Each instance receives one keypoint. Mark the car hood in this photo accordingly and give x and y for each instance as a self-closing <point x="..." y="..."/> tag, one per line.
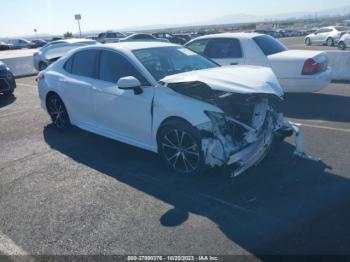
<point x="241" y="79"/>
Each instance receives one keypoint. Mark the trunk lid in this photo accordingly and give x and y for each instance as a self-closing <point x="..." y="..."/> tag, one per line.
<point x="290" y="63"/>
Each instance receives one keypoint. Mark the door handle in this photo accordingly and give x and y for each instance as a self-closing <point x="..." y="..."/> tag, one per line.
<point x="234" y="64"/>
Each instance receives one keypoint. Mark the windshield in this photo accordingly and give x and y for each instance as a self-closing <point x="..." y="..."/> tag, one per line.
<point x="269" y="45"/>
<point x="165" y="61"/>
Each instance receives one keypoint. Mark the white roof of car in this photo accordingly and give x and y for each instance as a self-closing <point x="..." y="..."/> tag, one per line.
<point x="137" y="45"/>
<point x="230" y="35"/>
<point x="74" y="40"/>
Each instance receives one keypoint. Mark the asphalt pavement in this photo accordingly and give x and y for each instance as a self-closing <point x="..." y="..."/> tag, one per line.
<point x="76" y="193"/>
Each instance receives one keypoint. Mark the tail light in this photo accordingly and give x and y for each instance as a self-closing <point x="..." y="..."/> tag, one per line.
<point x="311" y="67"/>
<point x="40" y="76"/>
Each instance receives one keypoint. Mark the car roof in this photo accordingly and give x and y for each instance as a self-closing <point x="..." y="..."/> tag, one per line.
<point x="230" y="35"/>
<point x="73" y="40"/>
<point x="137" y="45"/>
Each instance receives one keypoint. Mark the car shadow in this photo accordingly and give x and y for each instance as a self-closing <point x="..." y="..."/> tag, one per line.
<point x="6" y="100"/>
<point x="284" y="206"/>
<point x="315" y="106"/>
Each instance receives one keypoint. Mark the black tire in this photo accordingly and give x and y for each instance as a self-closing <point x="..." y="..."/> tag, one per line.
<point x="42" y="66"/>
<point x="330" y="41"/>
<point x="179" y="145"/>
<point x="308" y="41"/>
<point x="57" y="111"/>
<point x="341" y="45"/>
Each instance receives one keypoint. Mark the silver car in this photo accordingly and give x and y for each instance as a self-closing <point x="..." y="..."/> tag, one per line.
<point x="326" y="35"/>
<point x="56" y="49"/>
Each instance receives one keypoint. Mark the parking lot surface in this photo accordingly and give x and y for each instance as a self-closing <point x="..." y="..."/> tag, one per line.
<point x="74" y="192"/>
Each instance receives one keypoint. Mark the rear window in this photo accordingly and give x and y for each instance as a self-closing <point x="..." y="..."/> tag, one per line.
<point x="269" y="45"/>
<point x="342" y="28"/>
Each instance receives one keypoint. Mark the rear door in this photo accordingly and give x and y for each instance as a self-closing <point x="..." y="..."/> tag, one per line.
<point x="77" y="86"/>
<point x="225" y="51"/>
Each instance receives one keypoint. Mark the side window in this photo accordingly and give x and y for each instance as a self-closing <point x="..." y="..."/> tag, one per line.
<point x="84" y="63"/>
<point x="69" y="64"/>
<point x="224" y="48"/>
<point x="120" y="35"/>
<point x="114" y="66"/>
<point x="111" y="35"/>
<point x="199" y="46"/>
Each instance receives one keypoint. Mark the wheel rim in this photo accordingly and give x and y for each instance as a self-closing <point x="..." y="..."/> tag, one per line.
<point x="180" y="151"/>
<point x="57" y="112"/>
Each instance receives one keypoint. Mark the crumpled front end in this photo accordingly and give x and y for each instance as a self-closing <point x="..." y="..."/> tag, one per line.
<point x="240" y="133"/>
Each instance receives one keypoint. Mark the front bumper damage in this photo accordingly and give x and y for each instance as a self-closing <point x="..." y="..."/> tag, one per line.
<point x="267" y="127"/>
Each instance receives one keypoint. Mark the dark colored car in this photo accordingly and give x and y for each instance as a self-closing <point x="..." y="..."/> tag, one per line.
<point x="4" y="46"/>
<point x="187" y="37"/>
<point x="7" y="80"/>
<point x="37" y="43"/>
<point x="171" y="38"/>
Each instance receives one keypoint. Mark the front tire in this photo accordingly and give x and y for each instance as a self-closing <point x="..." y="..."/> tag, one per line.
<point x="342" y="45"/>
<point x="330" y="41"/>
<point x="179" y="145"/>
<point x="57" y="111"/>
<point x="308" y="41"/>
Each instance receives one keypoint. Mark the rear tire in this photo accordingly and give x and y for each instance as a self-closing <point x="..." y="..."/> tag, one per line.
<point x="57" y="111"/>
<point x="180" y="146"/>
<point x="330" y="41"/>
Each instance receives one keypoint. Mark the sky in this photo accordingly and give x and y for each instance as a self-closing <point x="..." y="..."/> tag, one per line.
<point x="20" y="17"/>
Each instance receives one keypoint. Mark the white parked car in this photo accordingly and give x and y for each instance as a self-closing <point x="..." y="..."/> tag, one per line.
<point x="326" y="35"/>
<point x="296" y="70"/>
<point x="110" y="37"/>
<point x="142" y="38"/>
<point x="19" y="43"/>
<point x="54" y="50"/>
<point x="167" y="99"/>
<point x="344" y="42"/>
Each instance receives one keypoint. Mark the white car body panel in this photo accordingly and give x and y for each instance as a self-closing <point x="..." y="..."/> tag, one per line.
<point x="287" y="65"/>
<point x="346" y="39"/>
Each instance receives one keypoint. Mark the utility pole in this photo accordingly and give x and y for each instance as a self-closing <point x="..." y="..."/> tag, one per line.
<point x="35" y="31"/>
<point x="78" y="18"/>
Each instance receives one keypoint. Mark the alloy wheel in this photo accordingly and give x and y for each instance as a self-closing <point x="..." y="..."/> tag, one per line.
<point x="181" y="151"/>
<point x="57" y="112"/>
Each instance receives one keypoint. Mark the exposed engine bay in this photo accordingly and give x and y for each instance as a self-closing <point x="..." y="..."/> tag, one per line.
<point x="242" y="135"/>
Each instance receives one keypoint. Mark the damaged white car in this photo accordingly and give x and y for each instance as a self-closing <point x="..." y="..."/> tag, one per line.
<point x="167" y="99"/>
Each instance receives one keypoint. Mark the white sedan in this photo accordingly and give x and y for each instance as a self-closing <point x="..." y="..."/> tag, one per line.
<point x="344" y="42"/>
<point x="296" y="70"/>
<point x="326" y="36"/>
<point x="167" y="99"/>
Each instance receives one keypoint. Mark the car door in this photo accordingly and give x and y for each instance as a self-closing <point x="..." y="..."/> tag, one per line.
<point x="121" y="113"/>
<point x="77" y="87"/>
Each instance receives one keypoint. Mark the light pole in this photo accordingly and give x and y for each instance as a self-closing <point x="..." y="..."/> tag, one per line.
<point x="35" y="31"/>
<point x="78" y="18"/>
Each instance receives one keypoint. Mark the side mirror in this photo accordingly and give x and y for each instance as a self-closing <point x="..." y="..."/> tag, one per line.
<point x="130" y="83"/>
